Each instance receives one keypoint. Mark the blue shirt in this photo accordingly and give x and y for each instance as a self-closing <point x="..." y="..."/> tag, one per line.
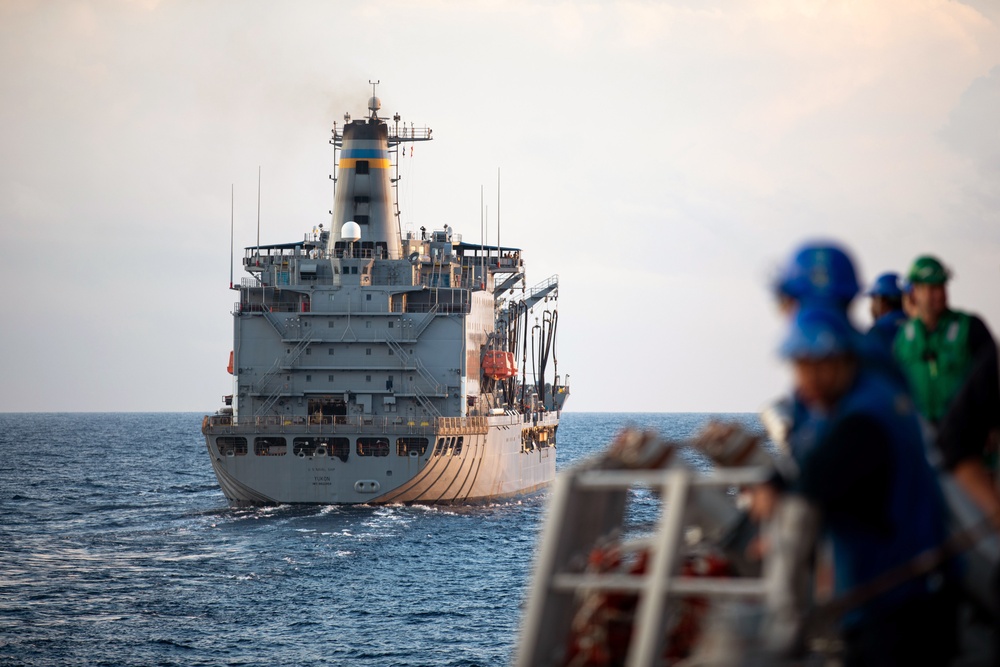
<point x="885" y="328"/>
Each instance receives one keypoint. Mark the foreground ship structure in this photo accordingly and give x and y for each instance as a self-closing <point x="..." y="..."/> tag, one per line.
<point x="373" y="366"/>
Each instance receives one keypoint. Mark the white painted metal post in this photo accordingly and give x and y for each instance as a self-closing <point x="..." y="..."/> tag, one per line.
<point x="648" y="627"/>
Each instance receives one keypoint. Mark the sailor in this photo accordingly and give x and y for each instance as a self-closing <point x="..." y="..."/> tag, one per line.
<point x="817" y="273"/>
<point x="967" y="439"/>
<point x="821" y="274"/>
<point x="886" y="309"/>
<point x="937" y="346"/>
<point x="967" y="436"/>
<point x="878" y="498"/>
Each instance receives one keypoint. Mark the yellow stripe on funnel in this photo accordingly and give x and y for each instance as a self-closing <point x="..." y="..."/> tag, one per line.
<point x="373" y="163"/>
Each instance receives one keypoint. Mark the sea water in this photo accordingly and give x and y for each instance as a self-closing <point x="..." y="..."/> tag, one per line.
<point x="118" y="548"/>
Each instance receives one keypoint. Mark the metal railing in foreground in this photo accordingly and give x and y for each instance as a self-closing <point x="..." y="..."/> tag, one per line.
<point x="588" y="518"/>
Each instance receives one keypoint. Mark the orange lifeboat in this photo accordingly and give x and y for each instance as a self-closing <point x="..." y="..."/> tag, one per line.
<point x="499" y="365"/>
<point x="230" y="366"/>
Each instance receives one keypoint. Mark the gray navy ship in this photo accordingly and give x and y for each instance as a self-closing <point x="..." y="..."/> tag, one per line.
<point x="375" y="366"/>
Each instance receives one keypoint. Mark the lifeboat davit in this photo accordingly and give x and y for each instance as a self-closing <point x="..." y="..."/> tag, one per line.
<point x="499" y="365"/>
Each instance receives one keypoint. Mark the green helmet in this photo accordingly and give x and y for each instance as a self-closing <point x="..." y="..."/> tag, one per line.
<point x="928" y="269"/>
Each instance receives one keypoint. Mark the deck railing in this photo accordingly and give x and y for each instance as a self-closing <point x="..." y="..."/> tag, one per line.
<point x="228" y="424"/>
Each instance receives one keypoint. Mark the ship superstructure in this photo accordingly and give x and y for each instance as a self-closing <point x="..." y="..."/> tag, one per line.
<point x="373" y="366"/>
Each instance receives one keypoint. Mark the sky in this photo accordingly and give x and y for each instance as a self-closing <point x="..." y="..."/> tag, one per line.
<point x="663" y="158"/>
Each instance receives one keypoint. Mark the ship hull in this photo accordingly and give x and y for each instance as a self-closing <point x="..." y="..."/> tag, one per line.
<point x="448" y="460"/>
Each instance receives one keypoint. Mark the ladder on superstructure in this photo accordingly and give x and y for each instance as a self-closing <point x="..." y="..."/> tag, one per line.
<point x="417" y="365"/>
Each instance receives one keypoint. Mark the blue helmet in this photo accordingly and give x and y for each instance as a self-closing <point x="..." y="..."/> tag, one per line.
<point x="819" y="273"/>
<point x="818" y="332"/>
<point x="886" y="285"/>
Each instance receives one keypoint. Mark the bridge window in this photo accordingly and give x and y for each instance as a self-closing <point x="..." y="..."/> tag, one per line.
<point x="231" y="446"/>
<point x="341" y="448"/>
<point x="270" y="446"/>
<point x="305" y="446"/>
<point x="322" y="446"/>
<point x="373" y="447"/>
<point x="406" y="445"/>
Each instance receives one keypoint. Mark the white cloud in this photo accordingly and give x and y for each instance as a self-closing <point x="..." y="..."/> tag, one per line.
<point x="660" y="157"/>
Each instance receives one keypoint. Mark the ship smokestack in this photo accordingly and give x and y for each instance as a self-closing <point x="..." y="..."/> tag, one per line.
<point x="364" y="189"/>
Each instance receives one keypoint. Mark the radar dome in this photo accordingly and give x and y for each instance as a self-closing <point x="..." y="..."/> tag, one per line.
<point x="351" y="231"/>
<point x="374" y="104"/>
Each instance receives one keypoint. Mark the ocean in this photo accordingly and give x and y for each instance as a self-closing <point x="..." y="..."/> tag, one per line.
<point x="118" y="548"/>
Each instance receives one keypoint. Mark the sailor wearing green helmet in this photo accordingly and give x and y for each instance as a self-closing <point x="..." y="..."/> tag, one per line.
<point x="937" y="346"/>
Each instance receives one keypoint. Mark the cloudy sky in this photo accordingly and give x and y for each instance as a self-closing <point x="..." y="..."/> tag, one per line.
<point x="663" y="158"/>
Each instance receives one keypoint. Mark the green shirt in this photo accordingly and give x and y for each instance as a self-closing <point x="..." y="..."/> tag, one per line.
<point x="935" y="362"/>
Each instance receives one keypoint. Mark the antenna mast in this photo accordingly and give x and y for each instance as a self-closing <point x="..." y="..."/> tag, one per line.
<point x="258" y="206"/>
<point x="232" y="199"/>
<point x="372" y="107"/>
<point x="482" y="240"/>
<point x="333" y="176"/>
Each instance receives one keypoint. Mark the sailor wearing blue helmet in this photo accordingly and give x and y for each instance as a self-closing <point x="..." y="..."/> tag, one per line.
<point x="877" y="495"/>
<point x="818" y="272"/>
<point x="886" y="309"/>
